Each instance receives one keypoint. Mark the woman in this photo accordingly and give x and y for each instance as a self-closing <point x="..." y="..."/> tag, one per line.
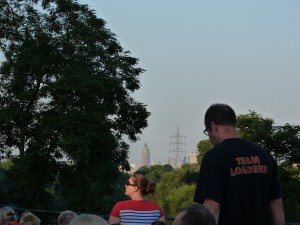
<point x="137" y="210"/>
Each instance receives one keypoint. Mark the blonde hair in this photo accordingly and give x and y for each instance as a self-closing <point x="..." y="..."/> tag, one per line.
<point x="29" y="219"/>
<point x="65" y="217"/>
<point x="8" y="214"/>
<point x="88" y="219"/>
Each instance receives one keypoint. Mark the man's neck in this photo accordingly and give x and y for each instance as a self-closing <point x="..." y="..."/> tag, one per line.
<point x="229" y="132"/>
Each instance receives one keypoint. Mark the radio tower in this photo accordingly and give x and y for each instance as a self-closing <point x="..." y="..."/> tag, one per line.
<point x="177" y="150"/>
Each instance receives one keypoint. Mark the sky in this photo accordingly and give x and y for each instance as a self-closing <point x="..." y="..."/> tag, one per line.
<point x="196" y="53"/>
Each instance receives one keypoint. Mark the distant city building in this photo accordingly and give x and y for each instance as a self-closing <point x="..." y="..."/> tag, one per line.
<point x="145" y="156"/>
<point x="193" y="158"/>
<point x="132" y="168"/>
<point x="131" y="171"/>
<point x="172" y="161"/>
<point x="155" y="163"/>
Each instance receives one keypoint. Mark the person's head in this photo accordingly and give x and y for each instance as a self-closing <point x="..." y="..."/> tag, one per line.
<point x="7" y="214"/>
<point x="88" y="219"/>
<point x="29" y="219"/>
<point x="195" y="214"/>
<point x="65" y="217"/>
<point x="139" y="184"/>
<point x="159" y="223"/>
<point x="24" y="213"/>
<point x="219" y="120"/>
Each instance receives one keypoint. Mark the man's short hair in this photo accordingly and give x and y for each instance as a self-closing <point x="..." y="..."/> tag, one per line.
<point x="30" y="219"/>
<point x="221" y="114"/>
<point x="196" y="214"/>
<point x="65" y="217"/>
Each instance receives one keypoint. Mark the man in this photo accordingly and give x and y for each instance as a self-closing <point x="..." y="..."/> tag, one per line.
<point x="238" y="180"/>
<point x="65" y="217"/>
<point x="195" y="214"/>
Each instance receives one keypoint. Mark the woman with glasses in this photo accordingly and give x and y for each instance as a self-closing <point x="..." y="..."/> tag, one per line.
<point x="138" y="210"/>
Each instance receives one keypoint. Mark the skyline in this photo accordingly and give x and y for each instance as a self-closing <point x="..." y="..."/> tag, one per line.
<point x="196" y="53"/>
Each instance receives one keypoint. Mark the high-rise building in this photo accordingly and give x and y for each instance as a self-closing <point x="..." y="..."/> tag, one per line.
<point x="193" y="158"/>
<point x="145" y="156"/>
<point x="132" y="168"/>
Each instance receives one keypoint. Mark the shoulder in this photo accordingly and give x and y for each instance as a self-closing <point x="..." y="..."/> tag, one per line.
<point x="125" y="202"/>
<point x="232" y="146"/>
<point x="121" y="204"/>
<point x="153" y="204"/>
<point x="147" y="205"/>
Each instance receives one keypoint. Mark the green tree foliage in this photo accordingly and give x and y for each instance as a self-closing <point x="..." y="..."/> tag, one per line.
<point x="203" y="146"/>
<point x="175" y="190"/>
<point x="290" y="182"/>
<point x="254" y="127"/>
<point x="154" y="172"/>
<point x="4" y="180"/>
<point x="31" y="183"/>
<point x="191" y="173"/>
<point x="65" y="92"/>
<point x="282" y="141"/>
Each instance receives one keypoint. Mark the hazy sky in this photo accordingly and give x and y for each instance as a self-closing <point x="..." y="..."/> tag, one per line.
<point x="195" y="53"/>
<point x="243" y="53"/>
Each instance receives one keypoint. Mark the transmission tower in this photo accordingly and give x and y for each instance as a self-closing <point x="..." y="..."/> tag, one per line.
<point x="177" y="150"/>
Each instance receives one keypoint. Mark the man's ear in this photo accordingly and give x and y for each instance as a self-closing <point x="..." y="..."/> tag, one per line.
<point x="213" y="126"/>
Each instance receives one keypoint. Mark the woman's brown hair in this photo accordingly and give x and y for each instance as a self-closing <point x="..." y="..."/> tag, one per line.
<point x="143" y="183"/>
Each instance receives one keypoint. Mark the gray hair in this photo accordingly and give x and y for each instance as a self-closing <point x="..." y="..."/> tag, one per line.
<point x="30" y="219"/>
<point x="88" y="219"/>
<point x="65" y="217"/>
<point x="8" y="214"/>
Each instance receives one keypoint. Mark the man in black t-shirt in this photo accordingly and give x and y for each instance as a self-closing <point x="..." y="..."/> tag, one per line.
<point x="238" y="180"/>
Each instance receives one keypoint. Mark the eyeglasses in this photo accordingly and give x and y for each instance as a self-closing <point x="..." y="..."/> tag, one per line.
<point x="206" y="131"/>
<point x="129" y="184"/>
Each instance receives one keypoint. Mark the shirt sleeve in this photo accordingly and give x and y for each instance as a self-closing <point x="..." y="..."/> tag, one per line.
<point x="275" y="189"/>
<point x="116" y="210"/>
<point x="209" y="184"/>
<point x="161" y="212"/>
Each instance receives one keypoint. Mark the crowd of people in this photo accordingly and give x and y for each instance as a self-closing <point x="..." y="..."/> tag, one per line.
<point x="193" y="215"/>
<point x="238" y="184"/>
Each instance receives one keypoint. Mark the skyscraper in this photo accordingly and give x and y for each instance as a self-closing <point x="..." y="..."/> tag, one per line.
<point x="145" y="156"/>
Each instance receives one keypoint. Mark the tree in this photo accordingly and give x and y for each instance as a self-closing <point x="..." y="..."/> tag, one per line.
<point x="290" y="182"/>
<point x="175" y="189"/>
<point x="283" y="142"/>
<point x="155" y="172"/>
<point x="203" y="146"/>
<point x="65" y="92"/>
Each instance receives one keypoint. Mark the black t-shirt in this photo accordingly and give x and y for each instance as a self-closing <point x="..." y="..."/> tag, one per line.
<point x="243" y="178"/>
